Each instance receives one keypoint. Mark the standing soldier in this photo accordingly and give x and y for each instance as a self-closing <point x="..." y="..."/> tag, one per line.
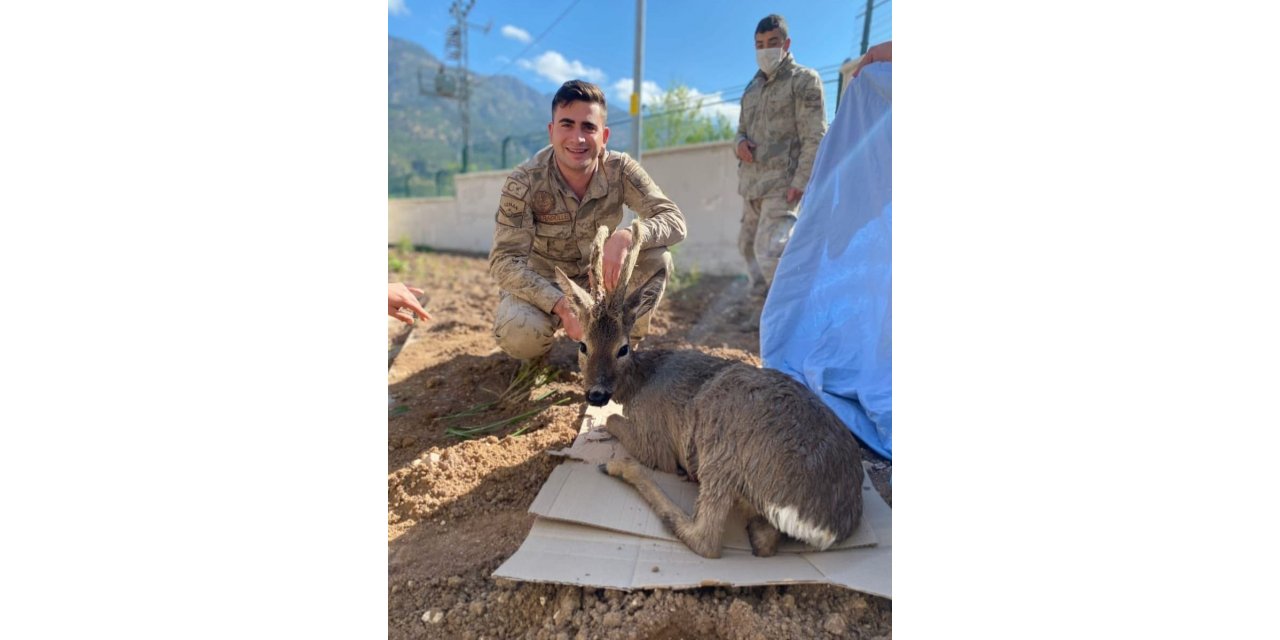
<point x="548" y="213"/>
<point x="781" y="123"/>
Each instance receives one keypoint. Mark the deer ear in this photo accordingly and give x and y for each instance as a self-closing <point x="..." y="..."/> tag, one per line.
<point x="642" y="300"/>
<point x="578" y="297"/>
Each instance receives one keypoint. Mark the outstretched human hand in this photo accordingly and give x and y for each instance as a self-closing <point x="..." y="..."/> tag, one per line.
<point x="402" y="303"/>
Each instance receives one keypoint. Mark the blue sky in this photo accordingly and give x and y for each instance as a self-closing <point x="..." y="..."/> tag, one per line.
<point x="704" y="44"/>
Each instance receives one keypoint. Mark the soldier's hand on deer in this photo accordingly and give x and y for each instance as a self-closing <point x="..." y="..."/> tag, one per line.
<point x="615" y="250"/>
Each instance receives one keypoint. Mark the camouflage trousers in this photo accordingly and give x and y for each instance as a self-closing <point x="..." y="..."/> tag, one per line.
<point x="525" y="332"/>
<point x="766" y="228"/>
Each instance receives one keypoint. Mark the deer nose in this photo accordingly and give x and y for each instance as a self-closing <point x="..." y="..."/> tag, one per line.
<point x="597" y="397"/>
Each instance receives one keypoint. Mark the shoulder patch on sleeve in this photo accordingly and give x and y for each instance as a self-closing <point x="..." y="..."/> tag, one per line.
<point x="510" y="211"/>
<point x="512" y="206"/>
<point x="517" y="184"/>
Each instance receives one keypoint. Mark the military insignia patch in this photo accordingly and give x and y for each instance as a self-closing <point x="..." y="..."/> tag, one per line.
<point x="511" y="206"/>
<point x="542" y="203"/>
<point x="515" y="187"/>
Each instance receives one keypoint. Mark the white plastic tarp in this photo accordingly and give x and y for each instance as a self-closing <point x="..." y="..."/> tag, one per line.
<point x="827" y="321"/>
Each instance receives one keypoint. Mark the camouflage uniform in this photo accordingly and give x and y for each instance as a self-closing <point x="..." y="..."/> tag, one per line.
<point x="783" y="116"/>
<point x="542" y="225"/>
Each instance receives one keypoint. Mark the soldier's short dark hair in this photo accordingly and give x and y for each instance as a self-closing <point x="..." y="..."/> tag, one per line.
<point x="771" y="22"/>
<point x="579" y="90"/>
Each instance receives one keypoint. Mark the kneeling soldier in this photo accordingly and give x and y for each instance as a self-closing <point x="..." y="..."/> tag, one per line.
<point x="548" y="213"/>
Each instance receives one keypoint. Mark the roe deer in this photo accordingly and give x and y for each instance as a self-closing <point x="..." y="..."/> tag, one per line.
<point x="753" y="438"/>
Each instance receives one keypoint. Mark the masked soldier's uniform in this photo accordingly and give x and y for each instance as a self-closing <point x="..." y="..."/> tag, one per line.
<point x="542" y="225"/>
<point x="783" y="115"/>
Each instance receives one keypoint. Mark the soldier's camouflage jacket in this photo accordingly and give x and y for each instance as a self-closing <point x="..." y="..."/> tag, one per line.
<point x="541" y="224"/>
<point x="783" y="115"/>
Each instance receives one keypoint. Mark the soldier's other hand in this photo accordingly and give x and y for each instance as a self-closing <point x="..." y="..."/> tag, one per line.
<point x="615" y="249"/>
<point x="793" y="195"/>
<point x="745" y="149"/>
<point x="572" y="327"/>
<point x="402" y="303"/>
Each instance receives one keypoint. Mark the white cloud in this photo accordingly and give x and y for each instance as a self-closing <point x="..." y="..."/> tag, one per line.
<point x="552" y="66"/>
<point x="516" y="33"/>
<point x="651" y="94"/>
<point x="397" y="8"/>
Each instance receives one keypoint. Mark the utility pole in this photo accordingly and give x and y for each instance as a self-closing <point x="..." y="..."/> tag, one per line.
<point x="866" y="27"/>
<point x="637" y="125"/>
<point x="866" y="36"/>
<point x="455" y="46"/>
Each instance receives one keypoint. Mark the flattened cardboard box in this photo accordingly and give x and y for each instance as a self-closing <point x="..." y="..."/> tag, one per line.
<point x="605" y="535"/>
<point x="578" y="492"/>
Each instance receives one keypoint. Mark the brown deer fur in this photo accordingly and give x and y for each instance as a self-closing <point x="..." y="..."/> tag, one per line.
<point x="754" y="439"/>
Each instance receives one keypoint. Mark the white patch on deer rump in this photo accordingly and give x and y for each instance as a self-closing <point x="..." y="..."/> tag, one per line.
<point x="788" y="521"/>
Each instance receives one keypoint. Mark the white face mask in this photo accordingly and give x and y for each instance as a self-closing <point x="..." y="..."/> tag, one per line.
<point x="768" y="59"/>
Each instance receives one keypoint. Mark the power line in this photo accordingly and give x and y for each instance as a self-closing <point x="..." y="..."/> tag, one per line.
<point x="538" y="39"/>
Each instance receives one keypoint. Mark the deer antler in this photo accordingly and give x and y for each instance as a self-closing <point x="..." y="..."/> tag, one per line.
<point x="597" y="263"/>
<point x="624" y="278"/>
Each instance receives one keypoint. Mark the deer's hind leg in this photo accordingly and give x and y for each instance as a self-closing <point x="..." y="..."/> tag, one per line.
<point x="704" y="531"/>
<point x="764" y="537"/>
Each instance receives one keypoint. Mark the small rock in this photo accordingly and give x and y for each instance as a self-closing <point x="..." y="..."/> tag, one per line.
<point x="408" y="441"/>
<point x="434" y="459"/>
<point x="654" y="569"/>
<point x="415" y="464"/>
<point x="635" y="602"/>
<point x="477" y="608"/>
<point x="434" y="382"/>
<point x="570" y="600"/>
<point x="433" y="616"/>
<point x="409" y="584"/>
<point x="454" y="581"/>
<point x="835" y="625"/>
<point x="395" y="588"/>
<point x="789" y="601"/>
<point x="613" y="619"/>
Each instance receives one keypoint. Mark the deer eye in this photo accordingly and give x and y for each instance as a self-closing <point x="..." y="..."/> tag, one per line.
<point x="623" y="351"/>
<point x="582" y="346"/>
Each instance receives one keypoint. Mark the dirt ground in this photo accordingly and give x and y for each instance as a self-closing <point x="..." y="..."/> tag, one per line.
<point x="457" y="508"/>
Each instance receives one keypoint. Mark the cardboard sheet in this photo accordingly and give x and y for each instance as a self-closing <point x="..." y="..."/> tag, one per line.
<point x="595" y="530"/>
<point x="568" y="553"/>
<point x="578" y="492"/>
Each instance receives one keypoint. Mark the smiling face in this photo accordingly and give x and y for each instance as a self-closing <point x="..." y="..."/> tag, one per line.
<point x="578" y="136"/>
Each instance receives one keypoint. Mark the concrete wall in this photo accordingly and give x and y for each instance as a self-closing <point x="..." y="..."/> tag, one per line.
<point x="701" y="179"/>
